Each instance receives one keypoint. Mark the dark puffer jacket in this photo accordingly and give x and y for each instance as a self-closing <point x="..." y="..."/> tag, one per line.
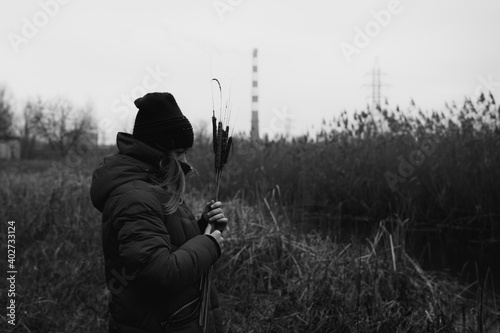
<point x="153" y="261"/>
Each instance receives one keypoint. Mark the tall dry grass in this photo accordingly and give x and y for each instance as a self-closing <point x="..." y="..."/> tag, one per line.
<point x="355" y="273"/>
<point x="341" y="180"/>
<point x="272" y="277"/>
<point x="59" y="284"/>
<point x="342" y="170"/>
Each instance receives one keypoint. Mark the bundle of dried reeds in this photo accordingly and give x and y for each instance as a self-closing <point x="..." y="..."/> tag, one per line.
<point x="221" y="146"/>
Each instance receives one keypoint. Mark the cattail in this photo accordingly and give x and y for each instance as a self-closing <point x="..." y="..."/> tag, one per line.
<point x="228" y="149"/>
<point x="218" y="153"/>
<point x="223" y="148"/>
<point x="214" y="131"/>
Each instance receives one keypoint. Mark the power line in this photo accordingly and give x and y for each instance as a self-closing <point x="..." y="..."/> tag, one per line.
<point x="376" y="84"/>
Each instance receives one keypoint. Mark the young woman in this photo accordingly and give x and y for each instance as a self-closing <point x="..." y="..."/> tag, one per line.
<point x="155" y="251"/>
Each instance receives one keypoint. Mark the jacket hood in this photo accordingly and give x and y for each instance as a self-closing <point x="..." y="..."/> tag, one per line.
<point x="134" y="161"/>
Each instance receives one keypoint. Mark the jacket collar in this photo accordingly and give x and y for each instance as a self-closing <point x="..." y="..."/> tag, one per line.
<point x="130" y="146"/>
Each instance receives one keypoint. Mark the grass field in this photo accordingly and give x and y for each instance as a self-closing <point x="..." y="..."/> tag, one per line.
<point x="320" y="229"/>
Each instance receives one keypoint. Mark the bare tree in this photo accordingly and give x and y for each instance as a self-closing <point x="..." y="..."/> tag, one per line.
<point x="6" y="115"/>
<point x="61" y="124"/>
<point x="28" y="130"/>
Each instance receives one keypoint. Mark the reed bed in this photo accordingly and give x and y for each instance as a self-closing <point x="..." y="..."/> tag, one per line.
<point x="344" y="170"/>
<point x="271" y="278"/>
<point x="293" y="282"/>
<point x="60" y="281"/>
<point x="353" y="271"/>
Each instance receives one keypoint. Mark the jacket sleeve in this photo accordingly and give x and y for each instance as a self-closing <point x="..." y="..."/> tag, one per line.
<point x="145" y="248"/>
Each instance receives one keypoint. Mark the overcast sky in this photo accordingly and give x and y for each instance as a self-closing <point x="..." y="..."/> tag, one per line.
<point x="314" y="56"/>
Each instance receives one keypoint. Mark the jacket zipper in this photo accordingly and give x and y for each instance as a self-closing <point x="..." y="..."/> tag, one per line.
<point x="180" y="310"/>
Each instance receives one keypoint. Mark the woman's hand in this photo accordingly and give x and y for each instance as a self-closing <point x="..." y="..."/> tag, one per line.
<point x="217" y="235"/>
<point x="214" y="215"/>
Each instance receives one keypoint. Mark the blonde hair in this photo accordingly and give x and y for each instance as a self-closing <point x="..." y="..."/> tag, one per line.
<point x="170" y="178"/>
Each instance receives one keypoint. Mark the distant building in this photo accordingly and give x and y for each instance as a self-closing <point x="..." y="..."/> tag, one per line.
<point x="10" y="148"/>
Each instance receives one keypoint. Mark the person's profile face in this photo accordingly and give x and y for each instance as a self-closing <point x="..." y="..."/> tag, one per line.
<point x="180" y="154"/>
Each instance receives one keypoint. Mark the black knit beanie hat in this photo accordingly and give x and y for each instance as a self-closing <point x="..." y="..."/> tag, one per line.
<point x="160" y="122"/>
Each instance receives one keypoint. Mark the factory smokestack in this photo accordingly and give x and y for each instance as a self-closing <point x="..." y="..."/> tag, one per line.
<point x="254" y="132"/>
